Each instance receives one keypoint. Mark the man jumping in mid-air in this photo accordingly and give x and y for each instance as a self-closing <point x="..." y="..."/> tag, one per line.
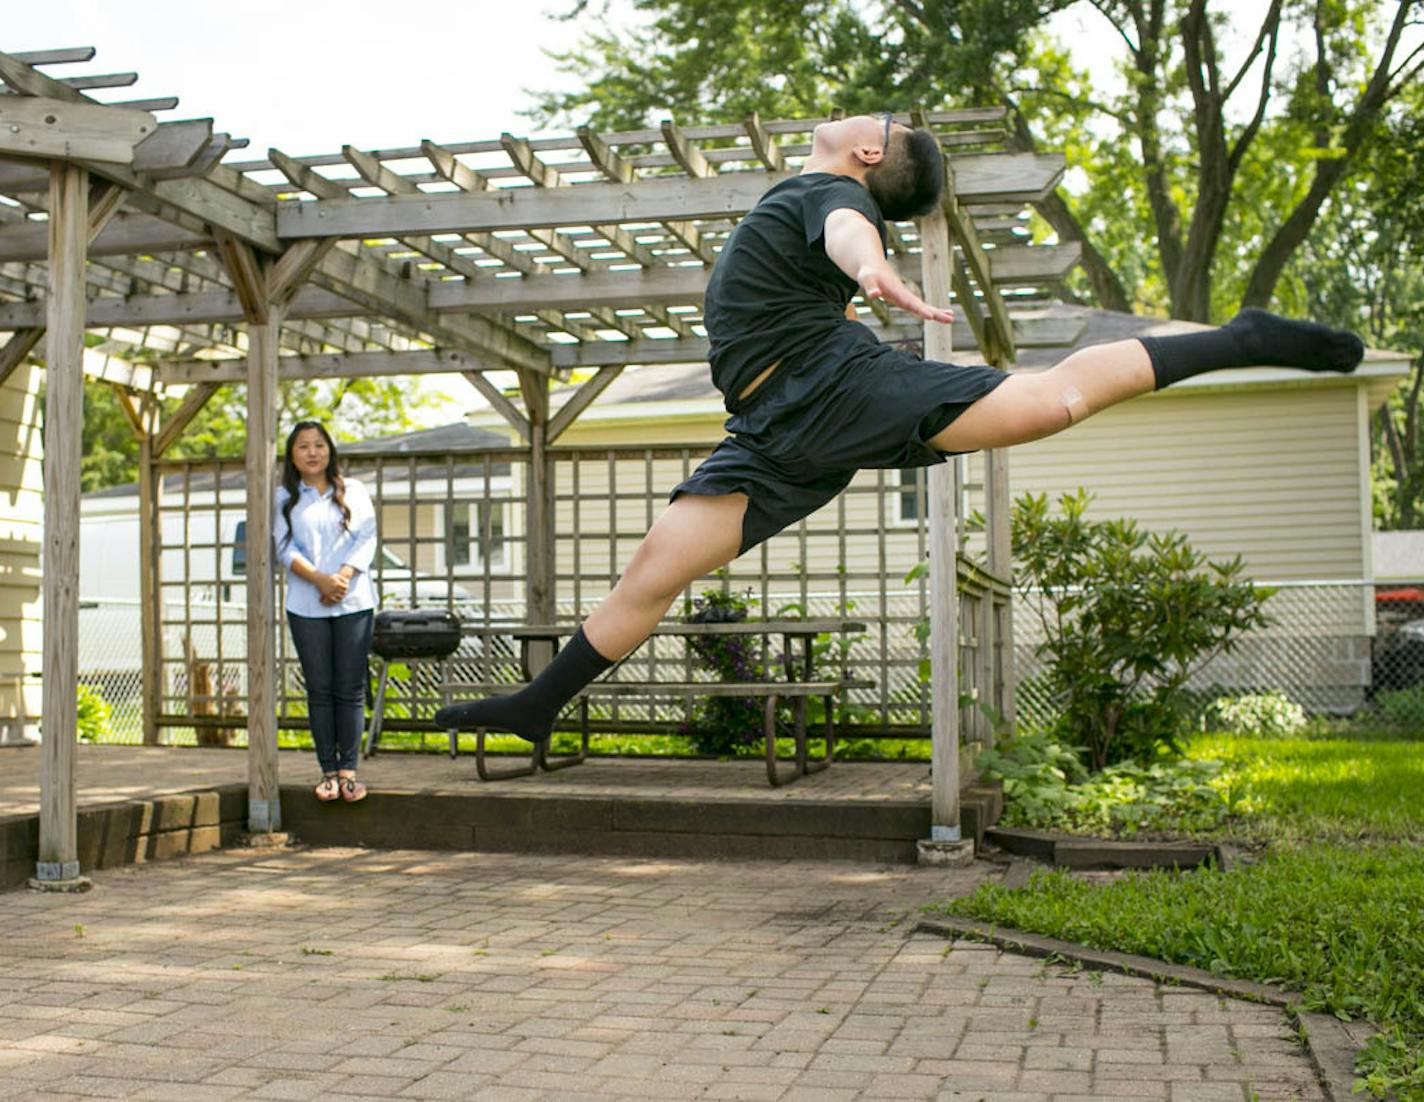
<point x="814" y="396"/>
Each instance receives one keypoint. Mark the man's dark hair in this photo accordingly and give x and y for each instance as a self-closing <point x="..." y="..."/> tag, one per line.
<point x="908" y="182"/>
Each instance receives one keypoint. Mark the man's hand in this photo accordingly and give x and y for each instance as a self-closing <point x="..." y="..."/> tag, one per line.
<point x="880" y="281"/>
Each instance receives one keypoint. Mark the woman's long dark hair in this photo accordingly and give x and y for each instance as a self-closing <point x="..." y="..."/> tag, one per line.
<point x="292" y="481"/>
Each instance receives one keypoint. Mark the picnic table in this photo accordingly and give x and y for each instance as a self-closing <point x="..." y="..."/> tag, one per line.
<point x="797" y="684"/>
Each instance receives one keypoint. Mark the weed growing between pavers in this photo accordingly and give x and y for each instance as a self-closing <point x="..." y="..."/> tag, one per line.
<point x="1344" y="926"/>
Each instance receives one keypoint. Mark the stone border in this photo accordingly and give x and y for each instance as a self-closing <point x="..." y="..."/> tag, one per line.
<point x="1074" y="852"/>
<point x="1331" y="1044"/>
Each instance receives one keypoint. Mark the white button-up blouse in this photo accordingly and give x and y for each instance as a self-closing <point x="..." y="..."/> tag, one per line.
<point x="319" y="536"/>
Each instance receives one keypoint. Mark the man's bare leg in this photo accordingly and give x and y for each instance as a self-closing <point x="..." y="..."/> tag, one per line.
<point x="1030" y="407"/>
<point x="694" y="535"/>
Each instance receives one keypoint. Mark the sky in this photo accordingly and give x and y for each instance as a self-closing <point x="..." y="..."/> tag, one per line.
<point x="308" y="76"/>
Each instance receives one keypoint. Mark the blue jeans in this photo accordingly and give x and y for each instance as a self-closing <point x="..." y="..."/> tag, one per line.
<point x="333" y="652"/>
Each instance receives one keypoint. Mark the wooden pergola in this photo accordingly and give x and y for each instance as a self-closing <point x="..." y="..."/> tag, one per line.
<point x="532" y="256"/>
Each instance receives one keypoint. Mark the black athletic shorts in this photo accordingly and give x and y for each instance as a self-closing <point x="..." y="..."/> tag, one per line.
<point x="854" y="403"/>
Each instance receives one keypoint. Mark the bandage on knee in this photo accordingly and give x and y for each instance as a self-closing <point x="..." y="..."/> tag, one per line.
<point x="1074" y="402"/>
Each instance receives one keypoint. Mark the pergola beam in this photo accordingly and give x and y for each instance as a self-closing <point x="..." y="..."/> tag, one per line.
<point x="990" y="178"/>
<point x="127" y="234"/>
<point x="667" y="286"/>
<point x="196" y="308"/>
<point x="582" y="399"/>
<point x="43" y="126"/>
<point x="1047" y="331"/>
<point x="192" y="404"/>
<point x="17" y="348"/>
<point x="353" y="365"/>
<point x="502" y="405"/>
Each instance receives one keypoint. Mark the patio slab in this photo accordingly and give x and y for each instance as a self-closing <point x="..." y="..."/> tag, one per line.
<point x="339" y="973"/>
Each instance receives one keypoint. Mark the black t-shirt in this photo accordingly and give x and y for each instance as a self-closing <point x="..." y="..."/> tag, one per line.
<point x="774" y="294"/>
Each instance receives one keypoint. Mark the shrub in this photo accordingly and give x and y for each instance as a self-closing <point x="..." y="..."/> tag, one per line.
<point x="93" y="713"/>
<point x="1047" y="787"/>
<point x="1268" y="713"/>
<point x="1402" y="707"/>
<point x="722" y="724"/>
<point x="1128" y="616"/>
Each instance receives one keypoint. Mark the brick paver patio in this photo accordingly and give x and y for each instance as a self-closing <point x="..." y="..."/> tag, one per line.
<point x="348" y="973"/>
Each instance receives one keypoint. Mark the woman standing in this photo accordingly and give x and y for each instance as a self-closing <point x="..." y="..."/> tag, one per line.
<point x="325" y="529"/>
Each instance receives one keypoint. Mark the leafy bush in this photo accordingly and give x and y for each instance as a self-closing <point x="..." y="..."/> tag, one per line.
<point x="93" y="713"/>
<point x="1402" y="707"/>
<point x="1128" y="616"/>
<point x="1047" y="787"/>
<point x="722" y="724"/>
<point x="1268" y="713"/>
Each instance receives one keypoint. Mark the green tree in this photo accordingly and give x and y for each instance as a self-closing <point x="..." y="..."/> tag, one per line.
<point x="1170" y="158"/>
<point x="1365" y="260"/>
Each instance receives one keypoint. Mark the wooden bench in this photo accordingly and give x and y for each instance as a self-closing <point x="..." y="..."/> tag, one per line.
<point x="793" y="689"/>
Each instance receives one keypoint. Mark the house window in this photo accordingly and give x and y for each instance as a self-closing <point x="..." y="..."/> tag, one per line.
<point x="460" y="536"/>
<point x="477" y="534"/>
<point x="909" y="495"/>
<point x="239" y="548"/>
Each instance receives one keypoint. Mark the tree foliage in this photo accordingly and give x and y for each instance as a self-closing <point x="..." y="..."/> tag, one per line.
<point x="1364" y="266"/>
<point x="1221" y="157"/>
<point x="352" y="408"/>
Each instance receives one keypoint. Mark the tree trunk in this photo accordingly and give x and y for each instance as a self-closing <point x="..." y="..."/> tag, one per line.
<point x="1261" y="286"/>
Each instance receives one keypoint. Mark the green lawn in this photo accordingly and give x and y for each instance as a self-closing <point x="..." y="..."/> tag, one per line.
<point x="1312" y="788"/>
<point x="1333" y="908"/>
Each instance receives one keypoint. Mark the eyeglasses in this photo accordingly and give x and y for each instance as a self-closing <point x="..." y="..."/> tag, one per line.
<point x="889" y="122"/>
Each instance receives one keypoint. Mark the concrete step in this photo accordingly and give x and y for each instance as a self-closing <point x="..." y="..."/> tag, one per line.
<point x="695" y="821"/>
<point x="493" y="821"/>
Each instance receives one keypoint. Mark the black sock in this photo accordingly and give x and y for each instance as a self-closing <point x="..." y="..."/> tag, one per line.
<point x="530" y="713"/>
<point x="1253" y="338"/>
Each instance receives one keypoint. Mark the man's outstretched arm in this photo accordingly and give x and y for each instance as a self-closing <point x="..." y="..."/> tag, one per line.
<point x="853" y="245"/>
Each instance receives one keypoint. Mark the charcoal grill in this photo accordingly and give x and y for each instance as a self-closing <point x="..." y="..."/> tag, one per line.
<point x="410" y="636"/>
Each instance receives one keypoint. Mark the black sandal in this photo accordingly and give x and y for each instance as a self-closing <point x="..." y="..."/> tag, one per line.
<point x="329" y="789"/>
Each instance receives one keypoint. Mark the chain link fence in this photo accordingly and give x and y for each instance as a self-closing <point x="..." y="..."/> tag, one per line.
<point x="1338" y="649"/>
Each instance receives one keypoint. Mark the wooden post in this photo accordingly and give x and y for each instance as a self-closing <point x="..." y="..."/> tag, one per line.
<point x="58" y="864"/>
<point x="540" y="602"/>
<point x="997" y="516"/>
<point x="150" y="592"/>
<point x="944" y="845"/>
<point x="264" y="809"/>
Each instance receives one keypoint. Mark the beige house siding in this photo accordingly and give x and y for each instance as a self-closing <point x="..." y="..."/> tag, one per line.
<point x="1275" y="475"/>
<point x="21" y="539"/>
<point x="1272" y="475"/>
